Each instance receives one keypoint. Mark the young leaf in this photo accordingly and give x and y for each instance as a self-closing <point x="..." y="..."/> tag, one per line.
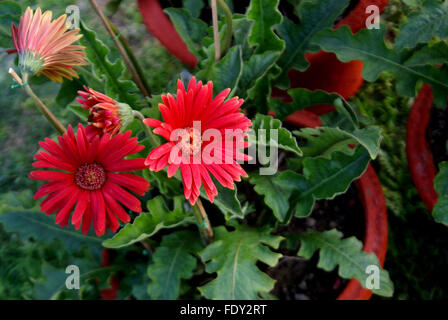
<point x="191" y="30"/>
<point x="148" y="223"/>
<point x="172" y="262"/>
<point x="226" y="73"/>
<point x="110" y="72"/>
<point x="347" y="254"/>
<point x="369" y="46"/>
<point x="275" y="196"/>
<point x="314" y="16"/>
<point x="322" y="179"/>
<point x="42" y="228"/>
<point x="285" y="139"/>
<point x="420" y="27"/>
<point x="233" y="256"/>
<point x="323" y="141"/>
<point x="265" y="15"/>
<point x="440" y="210"/>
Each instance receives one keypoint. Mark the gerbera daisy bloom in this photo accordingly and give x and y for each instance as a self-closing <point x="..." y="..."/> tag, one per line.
<point x="106" y="115"/>
<point x="45" y="46"/>
<point x="89" y="179"/>
<point x="203" y="146"/>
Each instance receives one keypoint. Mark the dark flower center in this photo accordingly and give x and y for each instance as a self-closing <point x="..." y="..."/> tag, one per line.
<point x="90" y="176"/>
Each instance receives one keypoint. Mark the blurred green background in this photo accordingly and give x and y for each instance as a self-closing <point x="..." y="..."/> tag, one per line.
<point x="417" y="256"/>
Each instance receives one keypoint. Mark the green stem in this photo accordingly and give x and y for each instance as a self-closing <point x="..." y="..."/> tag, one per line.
<point x="131" y="55"/>
<point x="203" y="223"/>
<point x="228" y="35"/>
<point x="151" y="137"/>
<point x="43" y="108"/>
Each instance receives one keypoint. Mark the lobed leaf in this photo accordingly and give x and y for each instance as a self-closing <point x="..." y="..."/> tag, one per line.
<point x="233" y="256"/>
<point x="148" y="223"/>
<point x="173" y="261"/>
<point x="347" y="254"/>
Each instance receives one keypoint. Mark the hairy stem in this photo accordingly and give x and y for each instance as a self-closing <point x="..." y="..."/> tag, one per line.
<point x="216" y="30"/>
<point x="228" y="35"/>
<point x="41" y="106"/>
<point x="130" y="54"/>
<point x="203" y="223"/>
<point x="120" y="48"/>
<point x="152" y="139"/>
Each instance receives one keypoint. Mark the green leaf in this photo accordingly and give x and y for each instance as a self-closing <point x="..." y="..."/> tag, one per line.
<point x="254" y="69"/>
<point x="194" y="7"/>
<point x="190" y="29"/>
<point x="347" y="254"/>
<point x="110" y="72"/>
<point x="323" y="179"/>
<point x="260" y="94"/>
<point x="82" y="113"/>
<point x="275" y="196"/>
<point x="233" y="256"/>
<point x="315" y="16"/>
<point x="173" y="261"/>
<point x="433" y="55"/>
<point x="285" y="139"/>
<point x="226" y="201"/>
<point x="440" y="211"/>
<point x="302" y="98"/>
<point x="43" y="228"/>
<point x="68" y="92"/>
<point x="148" y="223"/>
<point x="265" y="15"/>
<point x="420" y="27"/>
<point x="242" y="28"/>
<point x="225" y="73"/>
<point x="10" y="12"/>
<point x="323" y="141"/>
<point x="10" y="8"/>
<point x="369" y="46"/>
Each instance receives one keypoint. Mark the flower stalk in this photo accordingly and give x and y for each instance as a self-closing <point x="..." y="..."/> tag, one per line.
<point x="149" y="134"/>
<point x="203" y="222"/>
<point x="41" y="106"/>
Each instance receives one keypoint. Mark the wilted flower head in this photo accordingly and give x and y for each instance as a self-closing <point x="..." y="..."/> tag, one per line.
<point x="45" y="46"/>
<point x="90" y="179"/>
<point x="106" y="115"/>
<point x="204" y="135"/>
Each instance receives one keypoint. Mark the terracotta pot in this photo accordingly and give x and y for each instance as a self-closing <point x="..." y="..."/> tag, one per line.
<point x="160" y="26"/>
<point x="376" y="225"/>
<point x="375" y="238"/>
<point x="326" y="72"/>
<point x="420" y="159"/>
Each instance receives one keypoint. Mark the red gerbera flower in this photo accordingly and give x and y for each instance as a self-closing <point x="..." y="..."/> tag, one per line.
<point x="90" y="176"/>
<point x="106" y="114"/>
<point x="204" y="135"/>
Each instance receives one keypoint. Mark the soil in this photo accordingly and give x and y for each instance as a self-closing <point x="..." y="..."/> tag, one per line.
<point x="300" y="279"/>
<point x="437" y="134"/>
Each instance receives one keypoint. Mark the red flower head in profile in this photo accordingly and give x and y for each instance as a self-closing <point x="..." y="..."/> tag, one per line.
<point x="90" y="179"/>
<point x="204" y="135"/>
<point x="106" y="115"/>
<point x="45" y="46"/>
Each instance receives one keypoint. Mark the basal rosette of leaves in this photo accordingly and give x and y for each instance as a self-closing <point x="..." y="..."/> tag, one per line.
<point x="167" y="222"/>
